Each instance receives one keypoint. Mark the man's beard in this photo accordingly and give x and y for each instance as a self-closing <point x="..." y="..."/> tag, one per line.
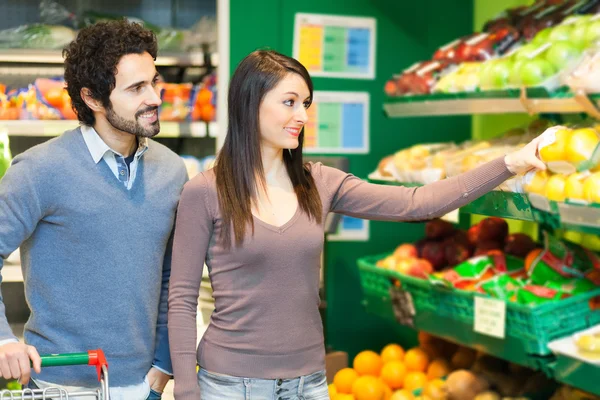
<point x="133" y="127"/>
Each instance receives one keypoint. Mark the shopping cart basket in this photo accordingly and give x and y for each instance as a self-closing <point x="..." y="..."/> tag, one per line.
<point x="92" y="357"/>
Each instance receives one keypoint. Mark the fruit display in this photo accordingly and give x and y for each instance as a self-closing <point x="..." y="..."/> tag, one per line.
<point x="426" y="163"/>
<point x="530" y="46"/>
<point x="486" y="259"/>
<point x="584" y="75"/>
<point x="439" y="370"/>
<point x="47" y="99"/>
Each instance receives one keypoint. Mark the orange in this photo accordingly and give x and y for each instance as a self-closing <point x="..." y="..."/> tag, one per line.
<point x="392" y="352"/>
<point x="343" y="396"/>
<point x="204" y="97"/>
<point x="402" y="395"/>
<point x="416" y="360"/>
<point x="54" y="97"/>
<point x="332" y="390"/>
<point x="344" y="379"/>
<point x="435" y="389"/>
<point x="414" y="381"/>
<point x="393" y="374"/>
<point x="368" y="388"/>
<point x="438" y="369"/>
<point x="387" y="391"/>
<point x="367" y="363"/>
<point x="207" y="113"/>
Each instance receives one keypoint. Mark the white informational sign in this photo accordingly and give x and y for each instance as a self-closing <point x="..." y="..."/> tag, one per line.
<point x="335" y="46"/>
<point x="351" y="229"/>
<point x="490" y="317"/>
<point x="338" y="123"/>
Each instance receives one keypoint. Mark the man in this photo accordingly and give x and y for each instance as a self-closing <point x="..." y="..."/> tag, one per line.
<point x="93" y="212"/>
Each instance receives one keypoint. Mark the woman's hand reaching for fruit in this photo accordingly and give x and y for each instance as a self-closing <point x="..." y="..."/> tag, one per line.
<point x="525" y="159"/>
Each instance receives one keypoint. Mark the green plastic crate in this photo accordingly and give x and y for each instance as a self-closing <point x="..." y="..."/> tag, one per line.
<point x="534" y="326"/>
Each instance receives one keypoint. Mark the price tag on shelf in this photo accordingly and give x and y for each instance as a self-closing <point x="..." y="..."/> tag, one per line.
<point x="403" y="306"/>
<point x="490" y="317"/>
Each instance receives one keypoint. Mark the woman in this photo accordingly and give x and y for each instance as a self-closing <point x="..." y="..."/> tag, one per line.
<point x="257" y="220"/>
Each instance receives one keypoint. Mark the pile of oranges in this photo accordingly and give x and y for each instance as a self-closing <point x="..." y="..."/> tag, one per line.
<point x="393" y="374"/>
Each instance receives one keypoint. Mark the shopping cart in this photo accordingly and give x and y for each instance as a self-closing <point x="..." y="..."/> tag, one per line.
<point x="92" y="357"/>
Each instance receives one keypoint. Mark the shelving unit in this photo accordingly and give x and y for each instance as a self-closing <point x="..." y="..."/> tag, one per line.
<point x="505" y="102"/>
<point x="54" y="57"/>
<point x="55" y="128"/>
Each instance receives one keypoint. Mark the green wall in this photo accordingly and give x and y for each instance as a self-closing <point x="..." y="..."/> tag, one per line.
<point x="403" y="37"/>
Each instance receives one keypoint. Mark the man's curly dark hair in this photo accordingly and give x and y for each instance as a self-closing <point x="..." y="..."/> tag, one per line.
<point x="91" y="60"/>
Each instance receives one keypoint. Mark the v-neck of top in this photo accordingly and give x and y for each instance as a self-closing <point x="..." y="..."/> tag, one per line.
<point x="282" y="228"/>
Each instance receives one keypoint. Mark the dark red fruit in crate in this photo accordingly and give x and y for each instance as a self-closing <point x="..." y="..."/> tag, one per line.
<point x="519" y="244"/>
<point x="438" y="229"/>
<point x="484" y="247"/>
<point x="492" y="229"/>
<point x="456" y="252"/>
<point x="434" y="253"/>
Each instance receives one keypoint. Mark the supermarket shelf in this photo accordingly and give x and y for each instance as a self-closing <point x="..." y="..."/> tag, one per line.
<point x="453" y="105"/>
<point x="30" y="56"/>
<point x="577" y="374"/>
<point x="55" y="128"/>
<point x="533" y="208"/>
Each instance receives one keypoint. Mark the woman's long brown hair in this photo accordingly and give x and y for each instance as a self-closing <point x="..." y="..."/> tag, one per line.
<point x="239" y="162"/>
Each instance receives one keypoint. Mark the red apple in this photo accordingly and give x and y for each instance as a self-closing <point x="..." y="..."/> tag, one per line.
<point x="519" y="244"/>
<point x="473" y="234"/>
<point x="420" y="268"/>
<point x="406" y="251"/>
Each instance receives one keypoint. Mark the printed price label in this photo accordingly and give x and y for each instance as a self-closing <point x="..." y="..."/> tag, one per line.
<point x="490" y="317"/>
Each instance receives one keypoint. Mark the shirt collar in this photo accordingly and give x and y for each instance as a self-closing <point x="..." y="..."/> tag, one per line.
<point x="98" y="148"/>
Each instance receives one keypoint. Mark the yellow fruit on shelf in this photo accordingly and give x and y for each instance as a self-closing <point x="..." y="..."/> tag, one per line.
<point x="537" y="182"/>
<point x="556" y="151"/>
<point x="581" y="145"/>
<point x="591" y="188"/>
<point x="574" y="187"/>
<point x="555" y="188"/>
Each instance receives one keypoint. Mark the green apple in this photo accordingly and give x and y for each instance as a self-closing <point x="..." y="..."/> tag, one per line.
<point x="515" y="73"/>
<point x="561" y="53"/>
<point x="592" y="33"/>
<point x="578" y="35"/>
<point x="484" y="73"/>
<point x="527" y="52"/>
<point x="560" y="32"/>
<point x="542" y="36"/>
<point x="536" y="71"/>
<point x="499" y="73"/>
